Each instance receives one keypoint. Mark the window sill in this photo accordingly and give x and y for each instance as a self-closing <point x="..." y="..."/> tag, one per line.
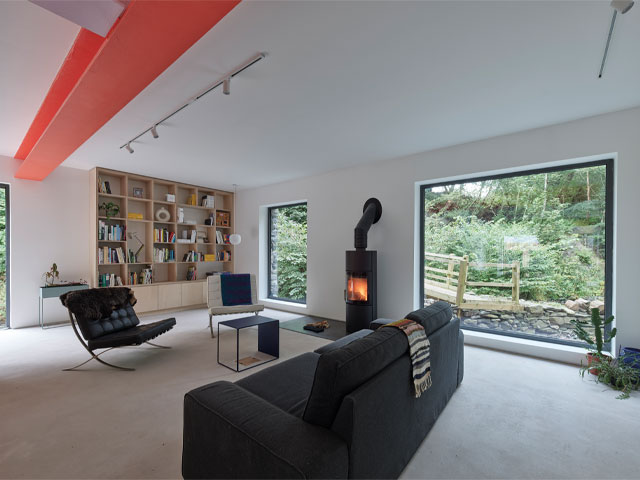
<point x="283" y="303"/>
<point x="523" y="346"/>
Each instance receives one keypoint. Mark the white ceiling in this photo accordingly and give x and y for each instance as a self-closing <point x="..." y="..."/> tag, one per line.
<point x="346" y="83"/>
<point x="33" y="45"/>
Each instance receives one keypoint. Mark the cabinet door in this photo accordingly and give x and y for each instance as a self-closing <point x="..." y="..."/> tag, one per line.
<point x="147" y="296"/>
<point x="192" y="294"/>
<point x="169" y="296"/>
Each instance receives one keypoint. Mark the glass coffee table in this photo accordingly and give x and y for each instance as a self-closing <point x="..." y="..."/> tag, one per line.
<point x="268" y="341"/>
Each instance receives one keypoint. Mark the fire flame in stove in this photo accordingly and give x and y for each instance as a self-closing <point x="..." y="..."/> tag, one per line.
<point x="357" y="289"/>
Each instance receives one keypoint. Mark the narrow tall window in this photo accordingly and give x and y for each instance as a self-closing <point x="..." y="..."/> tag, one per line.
<point x="4" y="255"/>
<point x="288" y="253"/>
<point x="521" y="254"/>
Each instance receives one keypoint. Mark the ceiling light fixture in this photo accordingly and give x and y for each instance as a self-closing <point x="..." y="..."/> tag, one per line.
<point x="622" y="6"/>
<point x="225" y="81"/>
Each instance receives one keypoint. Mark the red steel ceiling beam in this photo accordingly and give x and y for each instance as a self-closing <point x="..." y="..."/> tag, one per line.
<point x="82" y="51"/>
<point x="150" y="36"/>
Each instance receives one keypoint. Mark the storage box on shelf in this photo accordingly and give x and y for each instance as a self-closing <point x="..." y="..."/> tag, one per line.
<point x="165" y="232"/>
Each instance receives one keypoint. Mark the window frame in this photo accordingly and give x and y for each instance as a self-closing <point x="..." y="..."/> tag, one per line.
<point x="7" y="244"/>
<point x="608" y="163"/>
<point x="270" y="296"/>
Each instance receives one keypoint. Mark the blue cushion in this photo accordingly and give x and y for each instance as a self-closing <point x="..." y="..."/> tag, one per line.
<point x="235" y="289"/>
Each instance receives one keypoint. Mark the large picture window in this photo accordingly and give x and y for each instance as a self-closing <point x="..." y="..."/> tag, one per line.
<point x="288" y="253"/>
<point x="521" y="254"/>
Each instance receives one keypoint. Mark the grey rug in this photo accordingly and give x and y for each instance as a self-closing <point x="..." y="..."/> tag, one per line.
<point x="335" y="331"/>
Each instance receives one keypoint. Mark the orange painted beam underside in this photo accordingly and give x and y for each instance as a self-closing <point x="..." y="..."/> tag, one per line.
<point x="82" y="51"/>
<point x="150" y="36"/>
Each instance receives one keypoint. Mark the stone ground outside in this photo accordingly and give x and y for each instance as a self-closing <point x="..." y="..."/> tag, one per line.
<point x="544" y="319"/>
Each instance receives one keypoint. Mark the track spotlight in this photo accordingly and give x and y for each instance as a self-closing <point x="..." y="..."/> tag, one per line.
<point x="224" y="80"/>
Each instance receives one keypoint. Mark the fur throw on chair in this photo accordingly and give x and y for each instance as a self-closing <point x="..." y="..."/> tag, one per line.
<point x="97" y="303"/>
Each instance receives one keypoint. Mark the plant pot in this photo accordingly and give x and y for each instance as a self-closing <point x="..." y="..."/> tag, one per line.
<point x="593" y="359"/>
<point x="630" y="356"/>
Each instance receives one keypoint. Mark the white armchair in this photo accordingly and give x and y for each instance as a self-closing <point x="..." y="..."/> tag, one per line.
<point x="214" y="300"/>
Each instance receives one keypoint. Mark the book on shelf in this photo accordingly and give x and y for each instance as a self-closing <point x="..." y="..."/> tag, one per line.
<point x="109" y="280"/>
<point x="222" y="238"/>
<point x="193" y="256"/>
<point x="103" y="186"/>
<point x="163" y="235"/>
<point x="223" y="256"/>
<point x="113" y="233"/>
<point x="108" y="255"/>
<point x="162" y="255"/>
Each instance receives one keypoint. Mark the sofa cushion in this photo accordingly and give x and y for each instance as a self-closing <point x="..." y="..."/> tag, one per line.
<point x="286" y="385"/>
<point x="432" y="317"/>
<point x="341" y="371"/>
<point x="341" y="342"/>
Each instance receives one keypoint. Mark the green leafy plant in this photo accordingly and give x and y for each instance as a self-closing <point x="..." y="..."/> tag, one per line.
<point x="110" y="209"/>
<point x="596" y="341"/>
<point x="51" y="276"/>
<point x="617" y="375"/>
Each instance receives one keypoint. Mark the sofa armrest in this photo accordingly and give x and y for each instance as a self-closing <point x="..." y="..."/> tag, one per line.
<point x="232" y="433"/>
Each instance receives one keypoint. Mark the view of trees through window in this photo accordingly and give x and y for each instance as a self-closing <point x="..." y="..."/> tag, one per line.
<point x="288" y="252"/>
<point x="3" y="255"/>
<point x="522" y="254"/>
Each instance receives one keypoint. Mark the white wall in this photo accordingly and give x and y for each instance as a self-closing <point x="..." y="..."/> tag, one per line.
<point x="49" y="223"/>
<point x="335" y="204"/>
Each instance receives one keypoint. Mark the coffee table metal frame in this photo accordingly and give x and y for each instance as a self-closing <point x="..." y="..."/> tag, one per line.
<point x="268" y="338"/>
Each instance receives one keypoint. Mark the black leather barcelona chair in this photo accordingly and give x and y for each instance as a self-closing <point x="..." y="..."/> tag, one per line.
<point x="103" y="318"/>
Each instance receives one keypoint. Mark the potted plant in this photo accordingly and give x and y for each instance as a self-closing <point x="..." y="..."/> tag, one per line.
<point x="617" y="375"/>
<point x="595" y="342"/>
<point x="110" y="209"/>
<point x="51" y="276"/>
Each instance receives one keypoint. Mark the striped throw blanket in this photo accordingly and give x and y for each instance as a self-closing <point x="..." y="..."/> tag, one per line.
<point x="419" y="351"/>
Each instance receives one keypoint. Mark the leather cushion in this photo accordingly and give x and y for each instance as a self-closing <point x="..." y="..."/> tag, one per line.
<point x="120" y="319"/>
<point x="341" y="371"/>
<point x="286" y="385"/>
<point x="132" y="336"/>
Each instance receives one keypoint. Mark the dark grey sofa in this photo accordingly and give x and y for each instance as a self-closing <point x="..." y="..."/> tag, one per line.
<point x="346" y="410"/>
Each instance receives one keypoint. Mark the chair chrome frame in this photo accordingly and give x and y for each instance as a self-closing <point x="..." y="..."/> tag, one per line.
<point x="95" y="356"/>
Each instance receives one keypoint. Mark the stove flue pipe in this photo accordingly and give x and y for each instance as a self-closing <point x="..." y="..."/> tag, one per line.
<point x="372" y="211"/>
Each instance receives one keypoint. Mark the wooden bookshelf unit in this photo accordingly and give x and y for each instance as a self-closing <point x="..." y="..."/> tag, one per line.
<point x="164" y="258"/>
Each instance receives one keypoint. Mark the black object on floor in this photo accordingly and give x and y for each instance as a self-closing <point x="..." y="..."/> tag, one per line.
<point x="335" y="331"/>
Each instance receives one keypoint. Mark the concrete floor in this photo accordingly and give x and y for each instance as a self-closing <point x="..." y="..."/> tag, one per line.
<point x="513" y="417"/>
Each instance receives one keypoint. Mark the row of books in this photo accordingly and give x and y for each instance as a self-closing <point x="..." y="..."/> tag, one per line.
<point x="223" y="256"/>
<point x="193" y="256"/>
<point x="163" y="235"/>
<point x="103" y="187"/>
<point x="109" y="280"/>
<point x="222" y="238"/>
<point x="108" y="255"/>
<point x="143" y="278"/>
<point x="114" y="233"/>
<point x="164" y="255"/>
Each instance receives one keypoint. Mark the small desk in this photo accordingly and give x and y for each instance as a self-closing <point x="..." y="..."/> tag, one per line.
<point x="268" y="338"/>
<point x="50" y="292"/>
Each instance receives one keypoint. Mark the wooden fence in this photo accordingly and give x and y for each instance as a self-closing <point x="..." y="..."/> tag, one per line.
<point x="450" y="283"/>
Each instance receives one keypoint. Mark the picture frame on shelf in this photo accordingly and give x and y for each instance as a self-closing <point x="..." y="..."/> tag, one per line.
<point x="138" y="192"/>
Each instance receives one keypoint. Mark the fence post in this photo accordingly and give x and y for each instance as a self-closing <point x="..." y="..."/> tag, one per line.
<point x="462" y="280"/>
<point x="450" y="270"/>
<point x="515" y="280"/>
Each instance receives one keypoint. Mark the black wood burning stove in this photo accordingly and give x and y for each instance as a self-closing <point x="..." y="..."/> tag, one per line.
<point x="361" y="272"/>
